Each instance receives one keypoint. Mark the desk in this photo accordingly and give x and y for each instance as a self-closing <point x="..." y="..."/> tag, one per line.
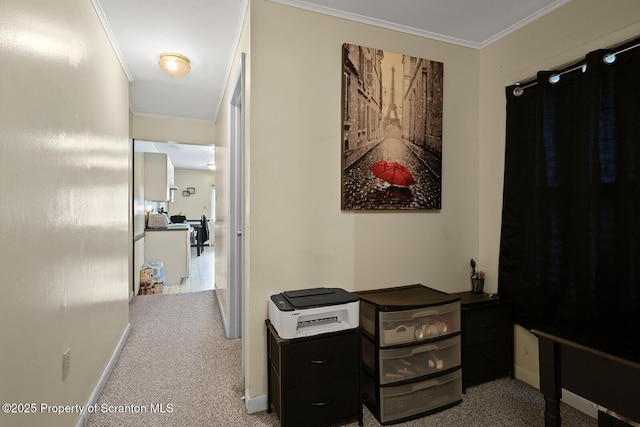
<point x="602" y="378"/>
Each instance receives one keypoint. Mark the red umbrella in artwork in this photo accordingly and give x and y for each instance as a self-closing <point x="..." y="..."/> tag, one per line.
<point x="393" y="172"/>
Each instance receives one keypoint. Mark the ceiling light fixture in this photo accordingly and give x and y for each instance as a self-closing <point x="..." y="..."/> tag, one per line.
<point x="174" y="65"/>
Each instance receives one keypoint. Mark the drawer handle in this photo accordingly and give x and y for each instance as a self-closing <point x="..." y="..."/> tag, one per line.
<point x="321" y="362"/>
<point x="490" y="325"/>
<point x="424" y="349"/>
<point x="427" y="313"/>
<point x="325" y="403"/>
<point x="428" y="384"/>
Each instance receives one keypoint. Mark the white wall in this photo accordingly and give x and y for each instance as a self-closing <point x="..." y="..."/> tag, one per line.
<point x="64" y="197"/>
<point x="558" y="38"/>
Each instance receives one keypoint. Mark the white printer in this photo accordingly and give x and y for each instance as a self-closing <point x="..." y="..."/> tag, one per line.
<point x="158" y="220"/>
<point x="308" y="312"/>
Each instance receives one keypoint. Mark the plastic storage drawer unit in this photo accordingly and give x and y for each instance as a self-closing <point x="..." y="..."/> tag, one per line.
<point x="402" y="327"/>
<point x="406" y="326"/>
<point x="407" y="400"/>
<point x="406" y="363"/>
<point x="411" y="348"/>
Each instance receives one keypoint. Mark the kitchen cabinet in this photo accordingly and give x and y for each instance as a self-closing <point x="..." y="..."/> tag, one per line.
<point x="314" y="380"/>
<point x="411" y="352"/>
<point x="171" y="246"/>
<point x="487" y="338"/>
<point x="158" y="177"/>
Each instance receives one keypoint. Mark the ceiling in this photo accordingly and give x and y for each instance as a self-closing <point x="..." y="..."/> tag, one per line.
<point x="207" y="31"/>
<point x="183" y="156"/>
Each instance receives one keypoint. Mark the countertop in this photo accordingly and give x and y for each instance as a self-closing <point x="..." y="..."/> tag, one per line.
<point x="171" y="227"/>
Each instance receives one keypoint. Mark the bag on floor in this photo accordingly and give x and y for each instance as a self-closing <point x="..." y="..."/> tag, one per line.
<point x="151" y="278"/>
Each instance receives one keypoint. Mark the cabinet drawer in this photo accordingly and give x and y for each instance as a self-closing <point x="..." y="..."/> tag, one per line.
<point x="413" y="362"/>
<point x="368" y="317"/>
<point x="275" y="392"/>
<point x="487" y="360"/>
<point x="409" y="326"/>
<point x="487" y="324"/>
<point x="322" y="403"/>
<point x="412" y="399"/>
<point x="320" y="360"/>
<point x="368" y="353"/>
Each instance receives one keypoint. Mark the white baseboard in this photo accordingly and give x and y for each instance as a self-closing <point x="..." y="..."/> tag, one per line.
<point x="580" y="403"/>
<point x="225" y="325"/>
<point x="531" y="378"/>
<point x="255" y="404"/>
<point x="84" y="417"/>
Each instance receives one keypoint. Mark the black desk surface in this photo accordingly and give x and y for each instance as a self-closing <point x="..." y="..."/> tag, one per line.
<point x="595" y="374"/>
<point x="472" y="299"/>
<point x="598" y="360"/>
<point x="617" y="335"/>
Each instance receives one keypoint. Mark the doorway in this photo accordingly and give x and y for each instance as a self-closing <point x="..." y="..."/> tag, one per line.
<point x="236" y="205"/>
<point x="192" y="197"/>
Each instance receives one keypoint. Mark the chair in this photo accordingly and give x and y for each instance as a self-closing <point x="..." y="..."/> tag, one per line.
<point x="203" y="234"/>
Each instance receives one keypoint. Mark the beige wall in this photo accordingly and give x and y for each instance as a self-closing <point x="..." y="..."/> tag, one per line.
<point x="64" y="238"/>
<point x="195" y="205"/>
<point x="563" y="36"/>
<point x="222" y="167"/>
<point x="164" y="129"/>
<point x="139" y="216"/>
<point x="298" y="236"/>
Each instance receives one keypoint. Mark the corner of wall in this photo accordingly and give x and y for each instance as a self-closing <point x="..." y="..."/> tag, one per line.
<point x="255" y="404"/>
<point x="93" y="399"/>
<point x="526" y="365"/>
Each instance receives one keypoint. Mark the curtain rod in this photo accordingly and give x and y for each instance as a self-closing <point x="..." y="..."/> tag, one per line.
<point x="608" y="58"/>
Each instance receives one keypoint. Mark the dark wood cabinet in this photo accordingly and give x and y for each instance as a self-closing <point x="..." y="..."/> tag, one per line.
<point x="487" y="338"/>
<point x="314" y="381"/>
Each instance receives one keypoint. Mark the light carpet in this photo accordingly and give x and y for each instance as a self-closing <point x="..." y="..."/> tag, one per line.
<point x="177" y="355"/>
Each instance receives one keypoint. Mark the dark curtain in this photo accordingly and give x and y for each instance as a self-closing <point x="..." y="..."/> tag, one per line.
<point x="570" y="238"/>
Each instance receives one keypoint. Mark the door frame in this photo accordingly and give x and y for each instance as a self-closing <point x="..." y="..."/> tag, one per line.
<point x="236" y="205"/>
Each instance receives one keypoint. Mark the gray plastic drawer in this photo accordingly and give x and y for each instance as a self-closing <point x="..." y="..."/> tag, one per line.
<point x="412" y="399"/>
<point x="408" y="326"/>
<point x="412" y="362"/>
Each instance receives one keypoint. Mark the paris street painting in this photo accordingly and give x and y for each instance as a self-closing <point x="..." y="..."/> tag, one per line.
<point x="392" y="130"/>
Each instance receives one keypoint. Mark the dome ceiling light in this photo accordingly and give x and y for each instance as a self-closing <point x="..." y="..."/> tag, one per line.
<point x="174" y="64"/>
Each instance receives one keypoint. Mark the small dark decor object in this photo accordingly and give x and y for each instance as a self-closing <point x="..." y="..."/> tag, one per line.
<point x="191" y="190"/>
<point x="477" y="279"/>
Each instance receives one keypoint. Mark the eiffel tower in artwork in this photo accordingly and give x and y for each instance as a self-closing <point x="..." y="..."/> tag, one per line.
<point x="388" y="120"/>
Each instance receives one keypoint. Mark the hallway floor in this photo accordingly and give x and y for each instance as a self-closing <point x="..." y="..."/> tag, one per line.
<point x="201" y="275"/>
